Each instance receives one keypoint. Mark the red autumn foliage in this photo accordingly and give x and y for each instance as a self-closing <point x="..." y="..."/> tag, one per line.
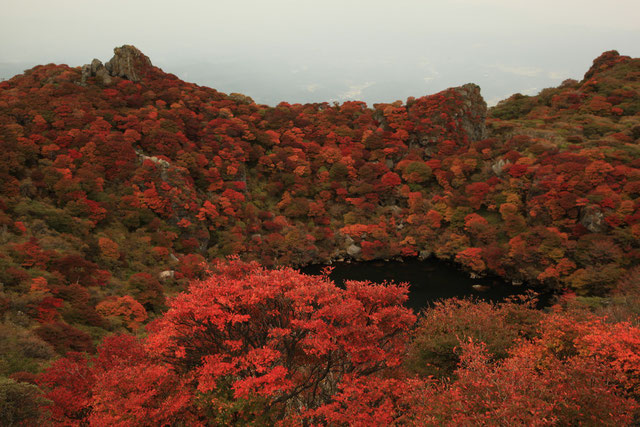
<point x="106" y="186"/>
<point x="249" y="343"/>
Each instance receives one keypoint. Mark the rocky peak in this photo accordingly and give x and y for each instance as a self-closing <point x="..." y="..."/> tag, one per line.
<point x="605" y="61"/>
<point x="459" y="111"/>
<point x="474" y="111"/>
<point x="127" y="62"/>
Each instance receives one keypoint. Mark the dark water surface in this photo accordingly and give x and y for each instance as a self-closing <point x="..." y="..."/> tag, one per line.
<point x="430" y="280"/>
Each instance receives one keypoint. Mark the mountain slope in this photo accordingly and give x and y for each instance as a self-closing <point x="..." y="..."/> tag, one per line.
<point x="115" y="192"/>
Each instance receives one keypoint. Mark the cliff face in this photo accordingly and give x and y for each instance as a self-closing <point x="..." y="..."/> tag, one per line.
<point x="129" y="63"/>
<point x="460" y="111"/>
<point x="474" y="111"/>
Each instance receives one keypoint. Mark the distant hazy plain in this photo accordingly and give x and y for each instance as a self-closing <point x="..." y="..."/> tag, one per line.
<point x="305" y="51"/>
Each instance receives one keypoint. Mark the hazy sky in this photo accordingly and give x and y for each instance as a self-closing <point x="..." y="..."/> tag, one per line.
<point x="326" y="50"/>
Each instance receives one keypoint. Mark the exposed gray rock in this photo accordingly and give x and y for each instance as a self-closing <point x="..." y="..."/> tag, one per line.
<point x="354" y="250"/>
<point x="103" y="77"/>
<point x="474" y="111"/>
<point x="158" y="161"/>
<point x="395" y="209"/>
<point x="498" y="166"/>
<point x="593" y="219"/>
<point x="465" y="107"/>
<point x="86" y="73"/>
<point x="162" y="164"/>
<point x="127" y="62"/>
<point x="166" y="275"/>
<point x="422" y="255"/>
<point x="96" y="65"/>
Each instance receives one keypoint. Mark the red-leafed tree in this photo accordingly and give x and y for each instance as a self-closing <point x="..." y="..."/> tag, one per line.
<point x="120" y="385"/>
<point x="472" y="258"/>
<point x="529" y="388"/>
<point x="68" y="383"/>
<point x="258" y="343"/>
<point x="245" y="345"/>
<point x="126" y="308"/>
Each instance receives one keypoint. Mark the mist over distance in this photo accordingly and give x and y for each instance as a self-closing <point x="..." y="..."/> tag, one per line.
<point x="302" y="52"/>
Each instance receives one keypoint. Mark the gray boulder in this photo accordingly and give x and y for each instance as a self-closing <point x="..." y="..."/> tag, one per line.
<point x="353" y="250"/>
<point x="593" y="219"/>
<point x="128" y="62"/>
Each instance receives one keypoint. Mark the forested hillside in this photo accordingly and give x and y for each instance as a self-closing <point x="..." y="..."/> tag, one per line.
<point x="120" y="184"/>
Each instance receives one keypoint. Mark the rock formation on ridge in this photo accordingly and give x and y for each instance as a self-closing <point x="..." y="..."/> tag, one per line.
<point x="127" y="62"/>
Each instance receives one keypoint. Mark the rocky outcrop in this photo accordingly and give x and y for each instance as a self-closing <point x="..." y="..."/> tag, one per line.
<point x="97" y="70"/>
<point x="161" y="163"/>
<point x="166" y="275"/>
<point x="473" y="111"/>
<point x="498" y="166"/>
<point x="593" y="219"/>
<point x="127" y="62"/>
<point x="457" y="114"/>
<point x="354" y="250"/>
